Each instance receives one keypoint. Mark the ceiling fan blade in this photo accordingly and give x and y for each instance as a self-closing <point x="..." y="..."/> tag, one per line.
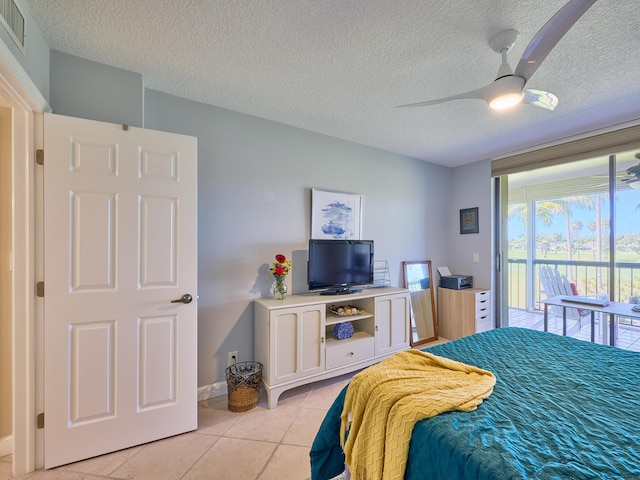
<point x="478" y="94"/>
<point x="634" y="170"/>
<point x="632" y="182"/>
<point x="549" y="35"/>
<point x="541" y="99"/>
<point x="633" y="178"/>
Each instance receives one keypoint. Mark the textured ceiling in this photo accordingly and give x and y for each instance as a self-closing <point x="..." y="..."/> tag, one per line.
<point x="338" y="67"/>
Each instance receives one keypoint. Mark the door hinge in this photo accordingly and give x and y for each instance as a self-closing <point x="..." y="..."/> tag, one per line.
<point x="40" y="157"/>
<point x="40" y="289"/>
<point x="40" y="420"/>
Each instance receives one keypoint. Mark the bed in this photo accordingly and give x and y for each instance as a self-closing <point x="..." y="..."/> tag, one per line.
<point x="561" y="408"/>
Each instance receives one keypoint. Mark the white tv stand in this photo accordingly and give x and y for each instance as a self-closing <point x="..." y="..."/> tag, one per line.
<point x="294" y="341"/>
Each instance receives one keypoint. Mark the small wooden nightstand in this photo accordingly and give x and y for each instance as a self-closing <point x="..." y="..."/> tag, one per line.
<point x="463" y="312"/>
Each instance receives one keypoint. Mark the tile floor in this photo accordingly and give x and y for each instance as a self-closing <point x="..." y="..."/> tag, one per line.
<point x="260" y="444"/>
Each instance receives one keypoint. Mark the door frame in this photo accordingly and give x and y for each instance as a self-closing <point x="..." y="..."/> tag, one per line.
<point x="27" y="105"/>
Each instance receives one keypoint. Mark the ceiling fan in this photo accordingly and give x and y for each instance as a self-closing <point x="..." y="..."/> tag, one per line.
<point x="508" y="89"/>
<point x="633" y="180"/>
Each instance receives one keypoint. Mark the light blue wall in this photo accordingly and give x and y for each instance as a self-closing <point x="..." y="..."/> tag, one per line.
<point x="254" y="192"/>
<point x="254" y="195"/>
<point x="472" y="188"/>
<point x="86" y="89"/>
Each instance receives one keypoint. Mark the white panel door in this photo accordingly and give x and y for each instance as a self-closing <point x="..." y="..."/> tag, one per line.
<point x="120" y="246"/>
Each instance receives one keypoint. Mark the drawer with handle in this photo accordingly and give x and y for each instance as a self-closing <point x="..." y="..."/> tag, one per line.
<point x="349" y="351"/>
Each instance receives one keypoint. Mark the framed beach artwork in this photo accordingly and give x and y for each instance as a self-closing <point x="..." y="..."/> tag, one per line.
<point x="335" y="215"/>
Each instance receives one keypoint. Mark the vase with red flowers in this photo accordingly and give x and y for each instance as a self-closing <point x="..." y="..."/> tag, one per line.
<point x="279" y="269"/>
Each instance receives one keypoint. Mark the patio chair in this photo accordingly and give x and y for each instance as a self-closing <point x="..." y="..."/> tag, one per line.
<point x="554" y="283"/>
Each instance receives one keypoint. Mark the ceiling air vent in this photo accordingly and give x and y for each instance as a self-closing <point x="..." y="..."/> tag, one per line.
<point x="13" y="20"/>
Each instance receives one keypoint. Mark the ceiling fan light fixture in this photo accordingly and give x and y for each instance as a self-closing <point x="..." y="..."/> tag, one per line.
<point x="506" y="100"/>
<point x="507" y="90"/>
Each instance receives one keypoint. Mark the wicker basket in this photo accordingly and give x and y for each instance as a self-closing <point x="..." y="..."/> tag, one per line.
<point x="243" y="385"/>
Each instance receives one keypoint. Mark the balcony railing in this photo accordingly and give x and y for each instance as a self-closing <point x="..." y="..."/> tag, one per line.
<point x="591" y="277"/>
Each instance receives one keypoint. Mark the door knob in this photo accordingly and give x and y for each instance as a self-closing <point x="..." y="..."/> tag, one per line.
<point x="186" y="298"/>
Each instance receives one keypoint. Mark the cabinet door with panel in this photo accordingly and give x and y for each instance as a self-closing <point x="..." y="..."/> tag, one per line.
<point x="391" y="313"/>
<point x="297" y="342"/>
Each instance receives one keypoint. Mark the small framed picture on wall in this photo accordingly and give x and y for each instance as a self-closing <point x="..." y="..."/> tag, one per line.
<point x="469" y="220"/>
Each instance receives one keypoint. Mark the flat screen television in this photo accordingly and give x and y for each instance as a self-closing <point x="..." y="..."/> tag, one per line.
<point x="339" y="266"/>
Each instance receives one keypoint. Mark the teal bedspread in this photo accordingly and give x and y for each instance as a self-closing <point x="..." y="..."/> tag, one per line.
<point x="561" y="409"/>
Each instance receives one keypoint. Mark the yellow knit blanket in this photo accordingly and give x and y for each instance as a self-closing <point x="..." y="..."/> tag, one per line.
<point x="384" y="401"/>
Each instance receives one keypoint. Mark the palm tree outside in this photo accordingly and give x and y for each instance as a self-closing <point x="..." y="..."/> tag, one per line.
<point x="559" y="225"/>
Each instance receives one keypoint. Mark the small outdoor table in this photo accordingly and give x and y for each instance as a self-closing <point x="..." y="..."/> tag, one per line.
<point x="612" y="309"/>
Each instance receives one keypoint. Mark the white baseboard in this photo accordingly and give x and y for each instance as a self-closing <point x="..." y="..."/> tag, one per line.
<point x="6" y="446"/>
<point x="212" y="390"/>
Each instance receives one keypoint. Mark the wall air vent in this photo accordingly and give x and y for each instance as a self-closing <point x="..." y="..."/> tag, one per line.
<point x="13" y="20"/>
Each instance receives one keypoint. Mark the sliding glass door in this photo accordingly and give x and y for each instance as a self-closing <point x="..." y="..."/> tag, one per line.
<point x="579" y="221"/>
<point x="626" y="245"/>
